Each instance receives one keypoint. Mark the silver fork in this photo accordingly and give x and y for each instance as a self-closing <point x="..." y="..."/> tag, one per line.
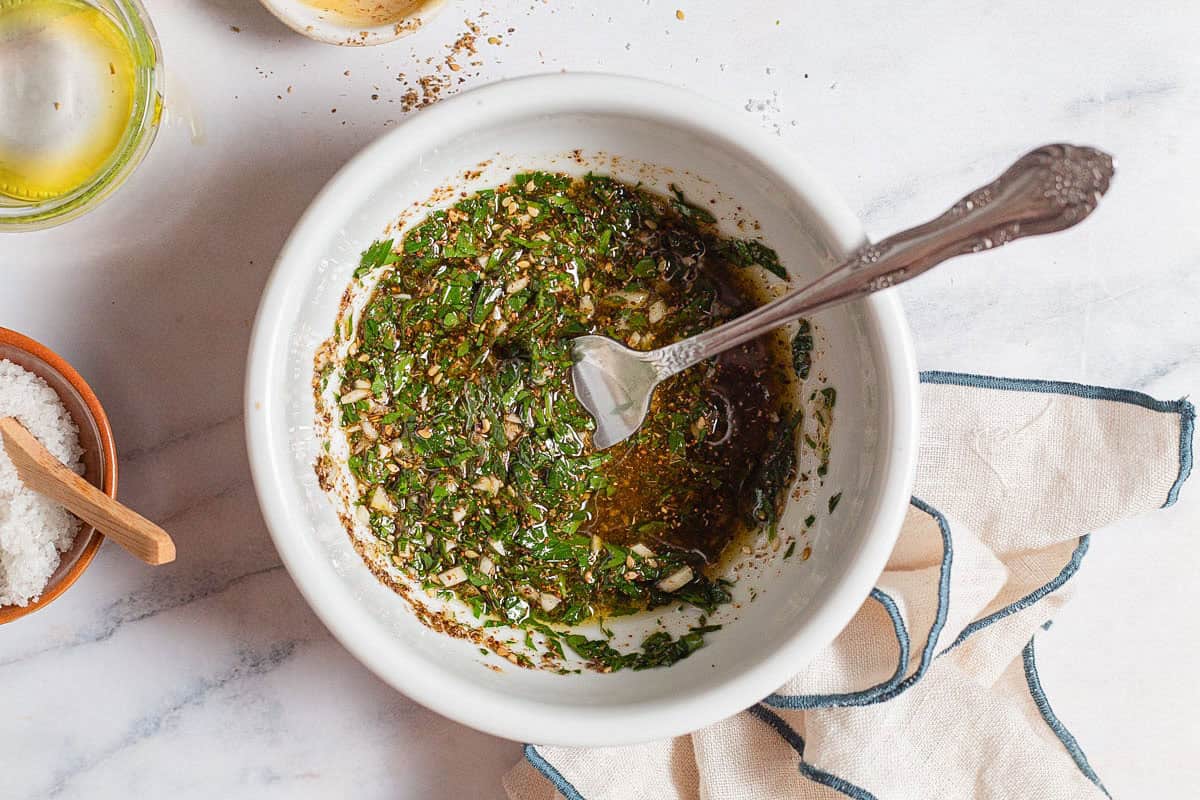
<point x="1047" y="190"/>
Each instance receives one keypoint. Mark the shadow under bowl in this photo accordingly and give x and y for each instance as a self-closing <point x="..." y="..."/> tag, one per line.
<point x="99" y="455"/>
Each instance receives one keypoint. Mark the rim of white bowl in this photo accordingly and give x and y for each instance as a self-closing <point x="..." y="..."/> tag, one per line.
<point x="320" y="26"/>
<point x="488" y="710"/>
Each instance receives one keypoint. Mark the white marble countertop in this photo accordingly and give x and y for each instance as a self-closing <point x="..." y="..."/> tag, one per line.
<point x="211" y="677"/>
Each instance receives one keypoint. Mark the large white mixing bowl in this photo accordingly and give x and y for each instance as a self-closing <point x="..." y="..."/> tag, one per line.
<point x="620" y="126"/>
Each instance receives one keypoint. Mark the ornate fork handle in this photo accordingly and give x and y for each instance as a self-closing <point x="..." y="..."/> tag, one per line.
<point x="1047" y="190"/>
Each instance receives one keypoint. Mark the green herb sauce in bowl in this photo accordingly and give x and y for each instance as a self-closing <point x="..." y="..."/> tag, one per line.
<point x="472" y="456"/>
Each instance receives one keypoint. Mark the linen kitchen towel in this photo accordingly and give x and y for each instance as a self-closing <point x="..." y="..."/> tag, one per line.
<point x="932" y="691"/>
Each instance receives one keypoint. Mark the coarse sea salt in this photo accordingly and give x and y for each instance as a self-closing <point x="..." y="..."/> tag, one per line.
<point x="34" y="531"/>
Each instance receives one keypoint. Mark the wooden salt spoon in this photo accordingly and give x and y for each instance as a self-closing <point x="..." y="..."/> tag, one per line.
<point x="49" y="477"/>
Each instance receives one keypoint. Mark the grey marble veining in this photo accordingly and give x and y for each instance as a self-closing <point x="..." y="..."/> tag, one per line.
<point x="211" y="677"/>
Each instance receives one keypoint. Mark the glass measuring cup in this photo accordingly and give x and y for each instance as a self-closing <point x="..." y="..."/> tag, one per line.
<point x="80" y="103"/>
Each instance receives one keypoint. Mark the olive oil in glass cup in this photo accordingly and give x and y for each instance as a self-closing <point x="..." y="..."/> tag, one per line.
<point x="80" y="103"/>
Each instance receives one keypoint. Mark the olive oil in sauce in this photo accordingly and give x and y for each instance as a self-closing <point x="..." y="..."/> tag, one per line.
<point x="687" y="490"/>
<point x="67" y="83"/>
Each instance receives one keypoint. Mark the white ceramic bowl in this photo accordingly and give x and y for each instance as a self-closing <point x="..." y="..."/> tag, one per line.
<point x="332" y="28"/>
<point x="619" y="125"/>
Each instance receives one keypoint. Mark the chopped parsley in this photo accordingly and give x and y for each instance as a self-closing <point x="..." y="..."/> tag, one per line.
<point x="472" y="456"/>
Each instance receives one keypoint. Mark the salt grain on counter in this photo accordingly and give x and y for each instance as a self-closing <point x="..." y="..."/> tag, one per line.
<point x="33" y="530"/>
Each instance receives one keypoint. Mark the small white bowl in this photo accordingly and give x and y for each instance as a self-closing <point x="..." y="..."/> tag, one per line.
<point x="332" y="28"/>
<point x="618" y="125"/>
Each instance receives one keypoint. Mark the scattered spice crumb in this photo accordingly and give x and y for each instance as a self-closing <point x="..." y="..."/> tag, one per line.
<point x="449" y="71"/>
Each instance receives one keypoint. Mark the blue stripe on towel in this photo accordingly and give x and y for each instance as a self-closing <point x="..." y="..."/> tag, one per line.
<point x="789" y="735"/>
<point x="1187" y="426"/>
<point x="897" y="683"/>
<point x="1185" y="410"/>
<point x="1043" y="705"/>
<point x="865" y="696"/>
<point x="1037" y="594"/>
<point x="555" y="777"/>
